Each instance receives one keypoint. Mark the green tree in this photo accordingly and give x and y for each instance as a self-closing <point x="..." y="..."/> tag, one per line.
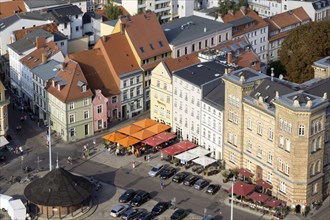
<point x="278" y="68"/>
<point x="303" y="46"/>
<point x="112" y="11"/>
<point x="226" y="5"/>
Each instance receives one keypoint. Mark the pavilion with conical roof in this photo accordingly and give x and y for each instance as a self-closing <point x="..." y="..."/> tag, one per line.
<point x="59" y="193"/>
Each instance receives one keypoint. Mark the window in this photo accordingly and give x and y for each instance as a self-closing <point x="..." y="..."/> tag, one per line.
<point x="99" y="109"/>
<point x="269" y="177"/>
<point x="301" y="130"/>
<point x="71" y="105"/>
<point x="249" y="146"/>
<point x="249" y="124"/>
<point x="77" y="28"/>
<point x="259" y="154"/>
<point x="125" y="83"/>
<point x="131" y="81"/>
<point x="72" y="132"/>
<point x="156" y="109"/>
<point x="314" y="189"/>
<point x="113" y="99"/>
<point x="99" y="124"/>
<point x="281" y="141"/>
<point x="318" y="143"/>
<point x="193" y="48"/>
<point x="248" y="164"/>
<point x="270" y="134"/>
<point x="71" y="118"/>
<point x="235" y="140"/>
<point x="311" y="170"/>
<point x="282" y="187"/>
<point x="168" y="99"/>
<point x="178" y="53"/>
<point x="137" y="79"/>
<point x="86" y="129"/>
<point x="287" y="145"/>
<point x="270" y="157"/>
<point x="158" y="83"/>
<point x="287" y="169"/>
<point x="317" y="167"/>
<point x="280" y="165"/>
<point x="313" y="146"/>
<point x="232" y="157"/>
<point x="86" y="114"/>
<point x="260" y="129"/>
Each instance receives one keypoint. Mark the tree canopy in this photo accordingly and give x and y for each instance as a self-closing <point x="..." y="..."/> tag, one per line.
<point x="112" y="11"/>
<point x="303" y="46"/>
<point x="226" y="5"/>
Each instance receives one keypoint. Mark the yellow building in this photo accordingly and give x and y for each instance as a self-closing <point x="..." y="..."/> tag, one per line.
<point x="4" y="102"/>
<point x="278" y="131"/>
<point x="161" y="87"/>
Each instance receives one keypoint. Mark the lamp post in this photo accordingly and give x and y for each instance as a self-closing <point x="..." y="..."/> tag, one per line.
<point x="232" y="200"/>
<point x="49" y="146"/>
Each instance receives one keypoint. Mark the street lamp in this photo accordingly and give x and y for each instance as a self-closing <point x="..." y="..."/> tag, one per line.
<point x="49" y="145"/>
<point x="232" y="200"/>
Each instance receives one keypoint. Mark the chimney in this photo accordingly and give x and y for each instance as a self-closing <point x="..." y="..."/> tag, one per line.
<point x="325" y="96"/>
<point x="231" y="12"/>
<point x="40" y="41"/>
<point x="43" y="58"/>
<point x="229" y="57"/>
<point x="122" y="28"/>
<point x="226" y="71"/>
<point x="243" y="10"/>
<point x="277" y="94"/>
<point x="64" y="65"/>
<point x="104" y="38"/>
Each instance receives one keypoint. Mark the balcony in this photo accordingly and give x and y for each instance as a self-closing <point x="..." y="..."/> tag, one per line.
<point x="157" y="10"/>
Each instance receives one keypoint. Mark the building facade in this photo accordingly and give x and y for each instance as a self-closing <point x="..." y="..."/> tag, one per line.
<point x="100" y="111"/>
<point x="4" y="102"/>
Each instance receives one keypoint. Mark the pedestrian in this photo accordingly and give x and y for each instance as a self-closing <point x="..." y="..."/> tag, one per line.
<point x="20" y="149"/>
<point x="145" y="157"/>
<point x="11" y="180"/>
<point x="69" y="161"/>
<point x="109" y="150"/>
<point x="148" y="157"/>
<point x="133" y="164"/>
<point x="162" y="185"/>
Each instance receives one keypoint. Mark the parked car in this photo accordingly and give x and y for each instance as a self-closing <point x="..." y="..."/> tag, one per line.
<point x="190" y="180"/>
<point x="145" y="216"/>
<point x="213" y="188"/>
<point x="167" y="172"/>
<point x="127" y="196"/>
<point x="208" y="217"/>
<point x="118" y="210"/>
<point x="156" y="170"/>
<point x="159" y="208"/>
<point x="131" y="214"/>
<point x="179" y="177"/>
<point x="200" y="184"/>
<point x="140" y="198"/>
<point x="178" y="214"/>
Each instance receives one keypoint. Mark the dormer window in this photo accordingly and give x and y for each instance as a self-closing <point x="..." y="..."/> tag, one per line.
<point x="58" y="87"/>
<point x="84" y="88"/>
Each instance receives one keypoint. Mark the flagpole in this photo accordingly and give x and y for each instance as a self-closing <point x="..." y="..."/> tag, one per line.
<point x="232" y="200"/>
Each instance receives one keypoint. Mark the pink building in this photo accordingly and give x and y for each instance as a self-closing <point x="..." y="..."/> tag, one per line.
<point x="100" y="111"/>
<point x="114" y="108"/>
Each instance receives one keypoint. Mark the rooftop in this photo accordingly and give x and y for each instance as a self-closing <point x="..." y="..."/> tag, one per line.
<point x="45" y="3"/>
<point x="47" y="70"/>
<point x="245" y="75"/>
<point x="174" y="64"/>
<point x="19" y="34"/>
<point x="11" y="7"/>
<point x="62" y="14"/>
<point x="216" y="97"/>
<point x="190" y="28"/>
<point x="34" y="15"/>
<point x="202" y="73"/>
<point x="324" y="62"/>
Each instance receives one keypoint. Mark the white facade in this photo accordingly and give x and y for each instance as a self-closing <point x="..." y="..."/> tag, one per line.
<point x="211" y="129"/>
<point x="185" y="8"/>
<point x="186" y="109"/>
<point x="93" y="27"/>
<point x="5" y="33"/>
<point x="73" y="29"/>
<point x="134" y="6"/>
<point x="162" y="8"/>
<point x="266" y="8"/>
<point x="206" y="41"/>
<point x="63" y="46"/>
<point x="131" y="98"/>
<point x="81" y="4"/>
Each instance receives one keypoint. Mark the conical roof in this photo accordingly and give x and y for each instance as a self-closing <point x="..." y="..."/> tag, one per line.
<point x="58" y="188"/>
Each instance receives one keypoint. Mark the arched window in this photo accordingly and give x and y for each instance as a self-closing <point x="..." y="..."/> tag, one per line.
<point x="318" y="143"/>
<point x="317" y="167"/>
<point x="313" y="145"/>
<point x="311" y="170"/>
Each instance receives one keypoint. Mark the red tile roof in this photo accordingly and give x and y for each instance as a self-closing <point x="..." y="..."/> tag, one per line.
<point x="19" y="34"/>
<point x="289" y="18"/>
<point x="11" y="7"/>
<point x="71" y="75"/>
<point x="174" y="64"/>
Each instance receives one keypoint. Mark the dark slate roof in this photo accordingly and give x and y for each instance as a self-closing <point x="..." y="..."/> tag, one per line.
<point x="317" y="5"/>
<point x="87" y="17"/>
<point x="34" y="15"/>
<point x="58" y="36"/>
<point x="202" y="73"/>
<point x="267" y="90"/>
<point x="48" y="70"/>
<point x="62" y="14"/>
<point x="5" y="22"/>
<point x="45" y="3"/>
<point x="190" y="28"/>
<point x="58" y="188"/>
<point x="216" y="97"/>
<point x="248" y="74"/>
<point x="28" y="42"/>
<point x="111" y="22"/>
<point x="244" y="20"/>
<point x="319" y="88"/>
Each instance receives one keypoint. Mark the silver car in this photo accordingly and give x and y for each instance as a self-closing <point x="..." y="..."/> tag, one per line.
<point x="156" y="170"/>
<point x="118" y="210"/>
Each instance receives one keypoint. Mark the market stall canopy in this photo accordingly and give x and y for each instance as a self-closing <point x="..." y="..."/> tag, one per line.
<point x="173" y="150"/>
<point x="166" y="136"/>
<point x="258" y="197"/>
<point x="158" y="128"/>
<point x="130" y="129"/>
<point x="128" y="141"/>
<point x="143" y="134"/>
<point x="153" y="141"/>
<point x="145" y="123"/>
<point x="199" y="151"/>
<point x="244" y="172"/>
<point x="273" y="203"/>
<point x="263" y="184"/>
<point x="185" y="145"/>
<point x="114" y="136"/>
<point x="3" y="141"/>
<point x="204" y="161"/>
<point x="186" y="156"/>
<point x="242" y="189"/>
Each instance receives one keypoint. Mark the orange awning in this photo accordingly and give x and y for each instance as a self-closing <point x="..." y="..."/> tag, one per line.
<point x="130" y="129"/>
<point x="128" y="141"/>
<point x="158" y="128"/>
<point x="145" y="123"/>
<point x="114" y="136"/>
<point x="143" y="134"/>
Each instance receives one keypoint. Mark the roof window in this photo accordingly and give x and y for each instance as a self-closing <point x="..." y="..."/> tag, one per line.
<point x="35" y="60"/>
<point x="151" y="46"/>
<point x="160" y="43"/>
<point x="142" y="49"/>
<point x="30" y="57"/>
<point x="257" y="95"/>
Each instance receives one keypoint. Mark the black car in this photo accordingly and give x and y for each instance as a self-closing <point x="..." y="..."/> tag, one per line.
<point x="201" y="184"/>
<point x="178" y="214"/>
<point x="190" y="180"/>
<point x="140" y="198"/>
<point x="145" y="216"/>
<point x="131" y="214"/>
<point x="159" y="208"/>
<point x="127" y="196"/>
<point x="167" y="173"/>
<point x="213" y="189"/>
<point x="179" y="177"/>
